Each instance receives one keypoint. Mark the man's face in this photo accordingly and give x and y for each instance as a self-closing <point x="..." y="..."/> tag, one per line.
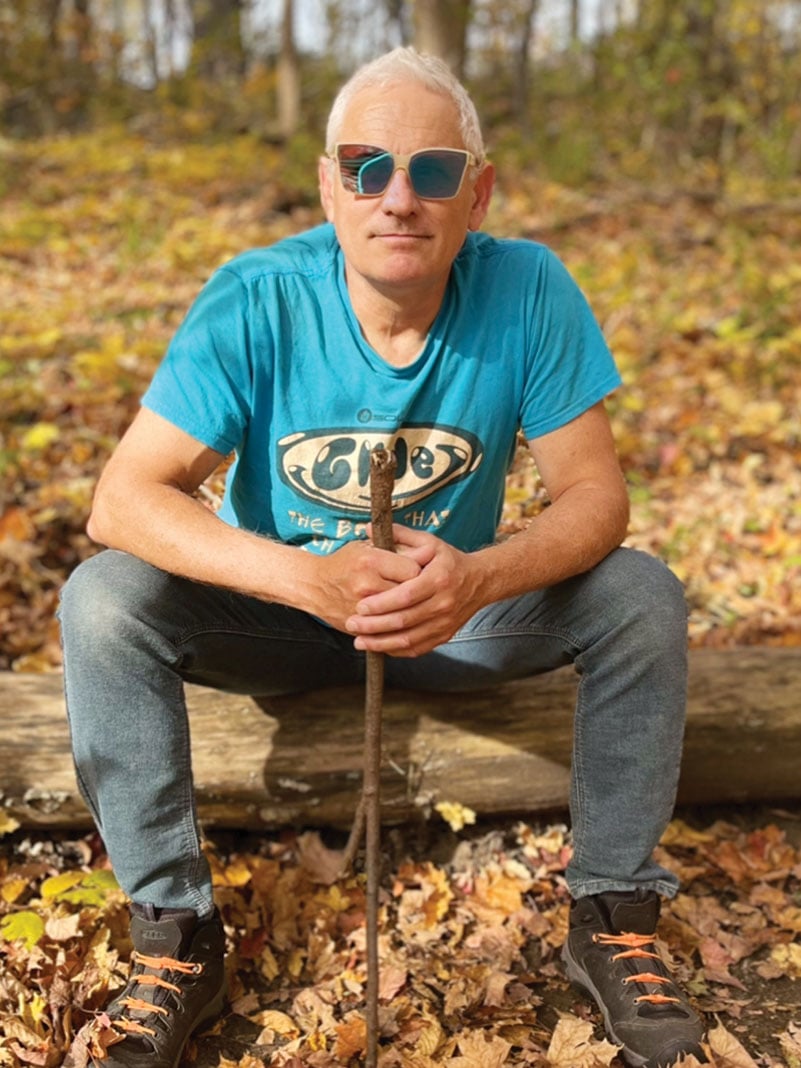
<point x="398" y="241"/>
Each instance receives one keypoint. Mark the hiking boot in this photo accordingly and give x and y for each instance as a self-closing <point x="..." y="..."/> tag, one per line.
<point x="610" y="953"/>
<point x="176" y="984"/>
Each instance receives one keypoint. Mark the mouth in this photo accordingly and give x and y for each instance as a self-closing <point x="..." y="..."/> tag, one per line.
<point x="402" y="236"/>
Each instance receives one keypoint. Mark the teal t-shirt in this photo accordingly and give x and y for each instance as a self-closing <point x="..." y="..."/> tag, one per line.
<point x="270" y="364"/>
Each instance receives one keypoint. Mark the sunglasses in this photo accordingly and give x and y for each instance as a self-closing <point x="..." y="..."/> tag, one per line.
<point x="435" y="173"/>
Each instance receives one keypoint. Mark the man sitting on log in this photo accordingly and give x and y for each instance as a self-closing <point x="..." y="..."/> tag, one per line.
<point x="395" y="323"/>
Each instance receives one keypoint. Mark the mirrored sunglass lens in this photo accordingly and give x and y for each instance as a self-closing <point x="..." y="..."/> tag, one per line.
<point x="352" y="158"/>
<point x="437" y="175"/>
<point x="375" y="173"/>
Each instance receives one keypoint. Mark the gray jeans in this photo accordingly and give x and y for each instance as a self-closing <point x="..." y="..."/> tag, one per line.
<point x="133" y="634"/>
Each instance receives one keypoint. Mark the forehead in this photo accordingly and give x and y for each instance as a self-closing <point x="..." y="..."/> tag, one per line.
<point x="402" y="117"/>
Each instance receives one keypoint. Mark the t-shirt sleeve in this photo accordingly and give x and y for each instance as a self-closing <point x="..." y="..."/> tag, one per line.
<point x="204" y="383"/>
<point x="569" y="365"/>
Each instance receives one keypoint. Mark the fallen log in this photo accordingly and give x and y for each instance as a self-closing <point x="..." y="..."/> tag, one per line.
<point x="297" y="760"/>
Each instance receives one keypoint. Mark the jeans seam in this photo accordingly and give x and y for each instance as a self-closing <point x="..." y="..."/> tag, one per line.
<point x="246" y="632"/>
<point x="520" y="632"/>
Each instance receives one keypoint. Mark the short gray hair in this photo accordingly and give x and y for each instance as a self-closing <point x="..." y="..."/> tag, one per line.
<point x="407" y="64"/>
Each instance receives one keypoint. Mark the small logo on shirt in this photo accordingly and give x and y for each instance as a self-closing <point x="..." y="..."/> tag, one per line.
<point x="333" y="466"/>
<point x="367" y="415"/>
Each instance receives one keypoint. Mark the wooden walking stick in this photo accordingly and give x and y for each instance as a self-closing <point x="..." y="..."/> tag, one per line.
<point x="382" y="478"/>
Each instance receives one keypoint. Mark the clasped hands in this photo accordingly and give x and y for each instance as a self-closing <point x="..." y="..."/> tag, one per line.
<point x="403" y="603"/>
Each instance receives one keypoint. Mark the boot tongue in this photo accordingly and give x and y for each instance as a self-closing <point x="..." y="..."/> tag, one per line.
<point x="162" y="932"/>
<point x="637" y="911"/>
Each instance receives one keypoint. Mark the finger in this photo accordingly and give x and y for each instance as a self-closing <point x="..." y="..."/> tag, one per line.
<point x="407" y="541"/>
<point x="407" y="643"/>
<point x="398" y="598"/>
<point x="389" y="566"/>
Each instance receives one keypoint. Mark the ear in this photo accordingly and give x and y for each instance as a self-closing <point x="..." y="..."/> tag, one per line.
<point x="325" y="178"/>
<point x="482" y="194"/>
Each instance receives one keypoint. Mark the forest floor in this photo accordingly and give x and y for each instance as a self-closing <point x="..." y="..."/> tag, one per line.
<point x="471" y="924"/>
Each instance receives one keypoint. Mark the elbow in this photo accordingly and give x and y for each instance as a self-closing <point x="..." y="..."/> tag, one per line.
<point x="99" y="525"/>
<point x="623" y="516"/>
<point x="94" y="527"/>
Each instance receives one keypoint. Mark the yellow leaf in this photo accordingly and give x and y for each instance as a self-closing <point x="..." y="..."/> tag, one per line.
<point x="57" y="884"/>
<point x="788" y="958"/>
<point x="295" y="962"/>
<point x="26" y="926"/>
<point x="35" y="1009"/>
<point x="12" y="889"/>
<point x="279" y="1022"/>
<point x="237" y="873"/>
<point x="457" y="816"/>
<point x="7" y="824"/>
<point x="268" y="965"/>
<point x="39" y="436"/>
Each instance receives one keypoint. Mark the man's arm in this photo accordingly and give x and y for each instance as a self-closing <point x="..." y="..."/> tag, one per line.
<point x="586" y="520"/>
<point x="144" y="506"/>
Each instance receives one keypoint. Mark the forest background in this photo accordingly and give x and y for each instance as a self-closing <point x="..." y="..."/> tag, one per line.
<point x="655" y="145"/>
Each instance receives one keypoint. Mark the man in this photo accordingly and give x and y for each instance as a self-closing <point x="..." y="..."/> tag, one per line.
<point x="394" y="324"/>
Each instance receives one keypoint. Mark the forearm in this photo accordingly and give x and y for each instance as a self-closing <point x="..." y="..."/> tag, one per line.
<point x="569" y="537"/>
<point x="174" y="531"/>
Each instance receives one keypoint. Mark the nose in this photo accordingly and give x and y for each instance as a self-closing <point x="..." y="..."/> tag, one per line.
<point x="399" y="197"/>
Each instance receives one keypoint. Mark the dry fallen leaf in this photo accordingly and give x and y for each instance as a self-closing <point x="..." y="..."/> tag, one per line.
<point x="351" y="1037"/>
<point x="728" y="1050"/>
<point x="573" y="1045"/>
<point x="477" y="1049"/>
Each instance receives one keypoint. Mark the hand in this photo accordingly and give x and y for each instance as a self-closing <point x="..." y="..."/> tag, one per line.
<point x="352" y="575"/>
<point x="414" y="616"/>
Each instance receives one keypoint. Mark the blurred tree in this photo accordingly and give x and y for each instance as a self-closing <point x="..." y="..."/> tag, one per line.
<point x="440" y="27"/>
<point x="289" y="75"/>
<point x="218" y="54"/>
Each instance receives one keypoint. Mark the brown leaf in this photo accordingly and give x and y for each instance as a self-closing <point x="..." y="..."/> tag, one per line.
<point x="728" y="1051"/>
<point x="573" y="1046"/>
<point x="322" y="864"/>
<point x="391" y="980"/>
<point x="351" y="1037"/>
<point x="790" y="1042"/>
<point x="62" y="928"/>
<point x="478" y="1049"/>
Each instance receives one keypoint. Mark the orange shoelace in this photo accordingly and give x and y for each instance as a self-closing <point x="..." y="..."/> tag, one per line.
<point x="634" y="947"/>
<point x="161" y="964"/>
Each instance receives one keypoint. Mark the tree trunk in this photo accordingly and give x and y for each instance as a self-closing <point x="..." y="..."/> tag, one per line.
<point x="575" y="22"/>
<point x="288" y="75"/>
<point x="296" y="760"/>
<point x="523" y="62"/>
<point x="217" y="51"/>
<point x="440" y="28"/>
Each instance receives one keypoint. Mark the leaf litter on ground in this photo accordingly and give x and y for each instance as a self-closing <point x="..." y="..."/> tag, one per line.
<point x="470" y="930"/>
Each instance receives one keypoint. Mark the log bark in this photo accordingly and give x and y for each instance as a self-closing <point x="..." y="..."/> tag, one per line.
<point x="296" y="760"/>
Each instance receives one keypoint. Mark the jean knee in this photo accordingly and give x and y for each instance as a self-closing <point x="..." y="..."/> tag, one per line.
<point x="649" y="595"/>
<point x="98" y="596"/>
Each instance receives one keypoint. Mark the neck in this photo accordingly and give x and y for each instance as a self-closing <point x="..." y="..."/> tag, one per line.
<point x="395" y="324"/>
